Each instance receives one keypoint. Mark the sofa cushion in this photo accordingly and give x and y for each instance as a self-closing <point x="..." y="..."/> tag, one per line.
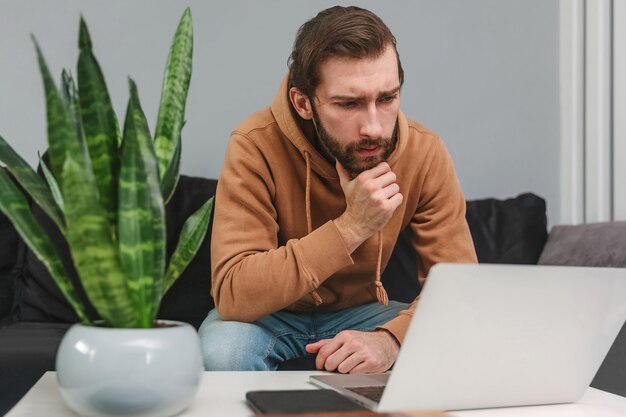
<point x="26" y="352"/>
<point x="594" y="244"/>
<point x="511" y="231"/>
<point x="188" y="300"/>
<point x="400" y="274"/>
<point x="12" y="250"/>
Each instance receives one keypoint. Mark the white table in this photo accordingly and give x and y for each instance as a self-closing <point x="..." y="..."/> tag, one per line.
<point x="223" y="394"/>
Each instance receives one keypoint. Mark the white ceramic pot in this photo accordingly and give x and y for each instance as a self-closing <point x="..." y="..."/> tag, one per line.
<point x="103" y="372"/>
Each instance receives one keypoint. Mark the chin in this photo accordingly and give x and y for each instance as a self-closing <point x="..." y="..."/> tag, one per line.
<point x="363" y="164"/>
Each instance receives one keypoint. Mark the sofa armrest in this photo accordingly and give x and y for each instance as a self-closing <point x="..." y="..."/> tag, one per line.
<point x="593" y="244"/>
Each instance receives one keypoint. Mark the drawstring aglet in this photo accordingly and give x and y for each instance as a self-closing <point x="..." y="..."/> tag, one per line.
<point x="381" y="294"/>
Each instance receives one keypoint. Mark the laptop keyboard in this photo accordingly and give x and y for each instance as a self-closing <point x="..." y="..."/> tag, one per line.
<point x="372" y="392"/>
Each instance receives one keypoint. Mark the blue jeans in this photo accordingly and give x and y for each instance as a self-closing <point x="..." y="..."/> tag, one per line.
<point x="278" y="337"/>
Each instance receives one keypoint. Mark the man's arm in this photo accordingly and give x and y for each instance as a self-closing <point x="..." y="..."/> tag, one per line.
<point x="252" y="275"/>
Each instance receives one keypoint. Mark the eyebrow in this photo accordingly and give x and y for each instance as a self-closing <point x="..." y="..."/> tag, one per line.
<point x="356" y="98"/>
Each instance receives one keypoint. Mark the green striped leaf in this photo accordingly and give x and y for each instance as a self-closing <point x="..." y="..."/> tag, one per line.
<point x="172" y="107"/>
<point x="92" y="248"/>
<point x="52" y="183"/>
<point x="31" y="182"/>
<point x="191" y="237"/>
<point x="99" y="123"/>
<point x="141" y="214"/>
<point x="16" y="208"/>
<point x="62" y="130"/>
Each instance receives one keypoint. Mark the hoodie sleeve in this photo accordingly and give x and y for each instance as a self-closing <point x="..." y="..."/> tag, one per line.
<point x="252" y="276"/>
<point x="440" y="231"/>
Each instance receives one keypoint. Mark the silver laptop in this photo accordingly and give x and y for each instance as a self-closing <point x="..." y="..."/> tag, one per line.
<point x="496" y="336"/>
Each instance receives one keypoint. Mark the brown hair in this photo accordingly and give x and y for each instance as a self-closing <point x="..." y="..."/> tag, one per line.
<point x="337" y="31"/>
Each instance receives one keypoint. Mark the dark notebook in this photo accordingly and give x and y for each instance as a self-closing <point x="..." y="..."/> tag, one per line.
<point x="299" y="401"/>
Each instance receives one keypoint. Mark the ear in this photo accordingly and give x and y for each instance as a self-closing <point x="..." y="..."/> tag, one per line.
<point x="300" y="103"/>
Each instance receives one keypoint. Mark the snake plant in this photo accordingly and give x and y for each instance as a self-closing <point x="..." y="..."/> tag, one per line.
<point x="106" y="190"/>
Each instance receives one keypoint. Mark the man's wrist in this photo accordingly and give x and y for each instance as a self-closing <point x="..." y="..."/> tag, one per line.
<point x="388" y="333"/>
<point x="351" y="237"/>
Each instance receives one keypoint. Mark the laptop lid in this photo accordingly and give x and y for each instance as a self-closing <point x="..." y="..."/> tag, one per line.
<point x="506" y="335"/>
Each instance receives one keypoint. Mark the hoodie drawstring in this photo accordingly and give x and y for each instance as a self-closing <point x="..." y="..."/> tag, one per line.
<point x="309" y="224"/>
<point x="381" y="294"/>
<point x="307" y="193"/>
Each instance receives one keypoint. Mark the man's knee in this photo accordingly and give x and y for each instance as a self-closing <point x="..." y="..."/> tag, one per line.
<point x="235" y="346"/>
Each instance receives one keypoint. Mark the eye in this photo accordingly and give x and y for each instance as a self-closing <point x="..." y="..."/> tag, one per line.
<point x="347" y="104"/>
<point x="388" y="99"/>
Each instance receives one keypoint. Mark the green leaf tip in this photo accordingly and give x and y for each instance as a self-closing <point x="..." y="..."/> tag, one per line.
<point x="37" y="48"/>
<point x="134" y="93"/>
<point x="43" y="66"/>
<point x="84" y="40"/>
<point x="132" y="85"/>
<point x="34" y="39"/>
<point x="68" y="85"/>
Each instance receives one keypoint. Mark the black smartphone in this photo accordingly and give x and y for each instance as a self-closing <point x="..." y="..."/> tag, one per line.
<point x="299" y="401"/>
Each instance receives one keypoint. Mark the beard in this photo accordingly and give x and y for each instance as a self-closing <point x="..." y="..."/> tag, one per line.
<point x="348" y="154"/>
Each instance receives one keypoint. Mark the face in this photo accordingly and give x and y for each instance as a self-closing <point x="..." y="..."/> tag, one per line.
<point x="355" y="109"/>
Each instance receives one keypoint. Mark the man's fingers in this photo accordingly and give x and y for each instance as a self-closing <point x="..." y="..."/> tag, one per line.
<point x="387" y="192"/>
<point x="333" y="362"/>
<point x="396" y="200"/>
<point x="315" y="347"/>
<point x="349" y="364"/>
<point x="360" y="368"/>
<point x="386" y="179"/>
<point x="375" y="172"/>
<point x="330" y="347"/>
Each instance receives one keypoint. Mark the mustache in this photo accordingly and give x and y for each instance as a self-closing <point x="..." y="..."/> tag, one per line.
<point x="382" y="142"/>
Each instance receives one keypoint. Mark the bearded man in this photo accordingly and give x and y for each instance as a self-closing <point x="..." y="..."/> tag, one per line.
<point x="312" y="197"/>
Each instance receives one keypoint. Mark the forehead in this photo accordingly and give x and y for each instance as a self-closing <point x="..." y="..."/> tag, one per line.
<point x="358" y="77"/>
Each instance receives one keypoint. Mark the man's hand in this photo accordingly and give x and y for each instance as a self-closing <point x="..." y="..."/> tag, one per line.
<point x="371" y="199"/>
<point x="353" y="352"/>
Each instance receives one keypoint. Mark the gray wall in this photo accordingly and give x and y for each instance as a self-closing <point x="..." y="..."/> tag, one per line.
<point x="481" y="73"/>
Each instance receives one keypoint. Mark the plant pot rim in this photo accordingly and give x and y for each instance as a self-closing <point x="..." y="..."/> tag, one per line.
<point x="164" y="324"/>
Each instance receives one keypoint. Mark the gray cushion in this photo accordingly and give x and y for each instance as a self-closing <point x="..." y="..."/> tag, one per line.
<point x="594" y="244"/>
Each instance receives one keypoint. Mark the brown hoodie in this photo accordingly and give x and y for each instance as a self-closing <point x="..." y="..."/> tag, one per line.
<point x="274" y="244"/>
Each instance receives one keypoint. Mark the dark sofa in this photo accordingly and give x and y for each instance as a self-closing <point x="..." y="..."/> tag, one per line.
<point x="34" y="315"/>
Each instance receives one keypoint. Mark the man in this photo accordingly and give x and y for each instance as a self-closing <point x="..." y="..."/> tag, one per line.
<point x="313" y="194"/>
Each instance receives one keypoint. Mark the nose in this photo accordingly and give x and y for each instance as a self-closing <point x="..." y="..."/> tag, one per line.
<point x="371" y="127"/>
